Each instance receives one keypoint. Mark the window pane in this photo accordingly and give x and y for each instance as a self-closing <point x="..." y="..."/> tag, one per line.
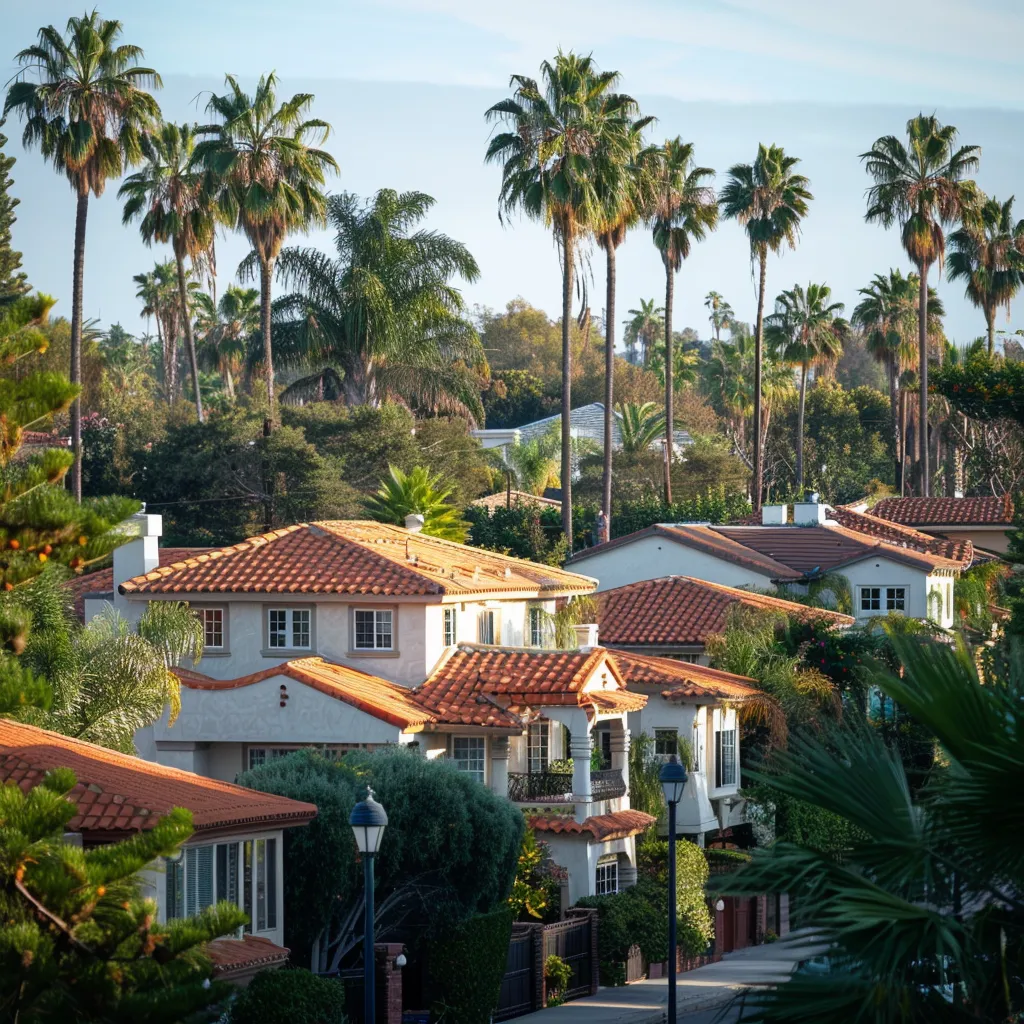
<point x="449" y="627"/>
<point x="175" y="889"/>
<point x="538" y="747"/>
<point x="227" y="872"/>
<point x="487" y="627"/>
<point x="364" y="630"/>
<point x="300" y="628"/>
<point x="895" y="599"/>
<point x="728" y="757"/>
<point x="536" y="627"/>
<point x="666" y="741"/>
<point x="468" y="754"/>
<point x="278" y="627"/>
<point x="247" y="883"/>
<point x="204" y="877"/>
<point x="271" y="883"/>
<point x="383" y="631"/>
<point x="257" y="756"/>
<point x="871" y="599"/>
<point x="260" y="874"/>
<point x="213" y="627"/>
<point x="607" y="877"/>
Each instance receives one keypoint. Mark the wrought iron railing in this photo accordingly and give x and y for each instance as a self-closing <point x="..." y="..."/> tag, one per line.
<point x="607" y="784"/>
<point x="556" y="787"/>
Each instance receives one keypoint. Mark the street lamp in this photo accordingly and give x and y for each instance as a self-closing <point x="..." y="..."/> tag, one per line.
<point x="673" y="781"/>
<point x="368" y="819"/>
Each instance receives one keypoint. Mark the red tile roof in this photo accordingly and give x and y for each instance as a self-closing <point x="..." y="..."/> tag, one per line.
<point x="356" y="557"/>
<point x="102" y="580"/>
<point x="961" y="551"/>
<point x="682" y="610"/>
<point x="946" y="511"/>
<point x="682" y="680"/>
<point x="602" y="827"/>
<point x="378" y="697"/>
<point x="236" y="956"/>
<point x="118" y="794"/>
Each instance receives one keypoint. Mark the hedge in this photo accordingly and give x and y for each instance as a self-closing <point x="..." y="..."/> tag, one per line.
<point x="289" y="997"/>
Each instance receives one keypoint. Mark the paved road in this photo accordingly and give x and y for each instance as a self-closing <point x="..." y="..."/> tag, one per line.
<point x="719" y="1016"/>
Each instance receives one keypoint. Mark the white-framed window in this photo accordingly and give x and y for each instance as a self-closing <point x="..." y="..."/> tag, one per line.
<point x="214" y="633"/>
<point x="488" y="627"/>
<point x="538" y="746"/>
<point x="895" y="599"/>
<point x="470" y="755"/>
<point x="666" y="742"/>
<point x="374" y="629"/>
<point x="536" y="622"/>
<point x="255" y="756"/>
<point x="289" y="629"/>
<point x="870" y="599"/>
<point x="260" y="755"/>
<point x="606" y="880"/>
<point x="725" y="757"/>
<point x="450" y="624"/>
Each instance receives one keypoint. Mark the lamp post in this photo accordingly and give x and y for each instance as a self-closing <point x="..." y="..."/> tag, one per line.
<point x="368" y="819"/>
<point x="673" y="781"/>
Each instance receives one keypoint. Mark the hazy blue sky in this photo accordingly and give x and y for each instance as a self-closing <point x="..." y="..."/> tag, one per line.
<point x="405" y="84"/>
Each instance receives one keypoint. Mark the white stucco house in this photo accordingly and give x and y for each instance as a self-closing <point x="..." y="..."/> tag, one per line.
<point x="984" y="522"/>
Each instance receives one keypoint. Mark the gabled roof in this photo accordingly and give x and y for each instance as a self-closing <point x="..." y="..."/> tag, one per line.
<point x="501" y="500"/>
<point x="602" y="827"/>
<point x="682" y="610"/>
<point x="961" y="551"/>
<point x="946" y="511"/>
<point x="681" y="680"/>
<point x="378" y="697"/>
<point x="233" y="957"/>
<point x="118" y="794"/>
<point x="355" y="556"/>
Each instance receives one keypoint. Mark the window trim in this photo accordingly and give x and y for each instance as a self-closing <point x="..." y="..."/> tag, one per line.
<point x="377" y="652"/>
<point x="455" y="760"/>
<point x="720" y="759"/>
<point x="604" y="863"/>
<point x="892" y="589"/>
<point x="495" y="640"/>
<point x="285" y="652"/>
<point x="225" y="648"/>
<point x="449" y="610"/>
<point x="536" y="638"/>
<point x="542" y="731"/>
<point x="378" y="630"/>
<point x="675" y="741"/>
<point x="884" y="591"/>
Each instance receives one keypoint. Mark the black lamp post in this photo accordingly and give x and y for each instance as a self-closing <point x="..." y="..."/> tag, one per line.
<point x="368" y="819"/>
<point x="673" y="781"/>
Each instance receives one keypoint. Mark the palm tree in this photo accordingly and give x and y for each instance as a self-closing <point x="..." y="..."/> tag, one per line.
<point x="643" y="326"/>
<point x="809" y="332"/>
<point x="549" y="158"/>
<point x="266" y="178"/>
<point x="384" y="311"/>
<point x="534" y="464"/>
<point x="721" y="313"/>
<point x="921" y="186"/>
<point x="169" y="196"/>
<point x="640" y="425"/>
<point x="987" y="253"/>
<point x="225" y="328"/>
<point x="84" y="103"/>
<point x="683" y="210"/>
<point x="419" y="493"/>
<point x="769" y="200"/>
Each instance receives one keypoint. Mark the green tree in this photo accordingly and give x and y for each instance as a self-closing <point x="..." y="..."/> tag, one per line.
<point x="266" y="178"/>
<point x="548" y="154"/>
<point x="225" y="328"/>
<point x="921" y="186"/>
<point x="169" y="198"/>
<point x="987" y="253"/>
<point x="683" y="210"/>
<point x="83" y="100"/>
<point x="768" y="199"/>
<point x="640" y="425"/>
<point x="721" y="313"/>
<point x="515" y="397"/>
<point x="384" y="311"/>
<point x="418" y="493"/>
<point x="642" y="327"/>
<point x="809" y="332"/>
<point x="79" y="943"/>
<point x="12" y="279"/>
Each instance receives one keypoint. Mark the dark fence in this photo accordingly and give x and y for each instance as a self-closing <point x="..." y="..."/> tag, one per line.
<point x="556" y="787"/>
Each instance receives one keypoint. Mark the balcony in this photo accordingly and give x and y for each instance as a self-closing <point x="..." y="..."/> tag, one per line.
<point x="556" y="787"/>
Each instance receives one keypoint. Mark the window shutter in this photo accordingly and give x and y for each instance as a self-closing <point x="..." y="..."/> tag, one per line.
<point x="204" y="877"/>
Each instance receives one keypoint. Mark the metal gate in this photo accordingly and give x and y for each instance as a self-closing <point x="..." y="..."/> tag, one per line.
<point x="571" y="940"/>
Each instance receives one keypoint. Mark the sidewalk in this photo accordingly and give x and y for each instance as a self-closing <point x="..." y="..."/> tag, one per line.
<point x="644" y="1002"/>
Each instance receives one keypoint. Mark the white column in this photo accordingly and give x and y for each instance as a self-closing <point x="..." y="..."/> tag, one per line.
<point x="620" y="753"/>
<point x="579" y="750"/>
<point x="499" y="765"/>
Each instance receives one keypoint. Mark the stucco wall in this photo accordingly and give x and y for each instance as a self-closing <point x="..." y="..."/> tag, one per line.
<point x="580" y="858"/>
<point x="881" y="572"/>
<point x="987" y="540"/>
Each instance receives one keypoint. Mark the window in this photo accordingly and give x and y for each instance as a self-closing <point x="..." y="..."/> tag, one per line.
<point x="487" y="631"/>
<point x="870" y="599"/>
<point x="259" y="874"/>
<point x="537" y="747"/>
<point x="288" y="628"/>
<point x="895" y="599"/>
<point x="261" y="755"/>
<point x="666" y="742"/>
<point x="374" y="629"/>
<point x="607" y="876"/>
<point x="536" y="627"/>
<point x="213" y="627"/>
<point x="725" y="757"/>
<point x="468" y="752"/>
<point x="449" y="627"/>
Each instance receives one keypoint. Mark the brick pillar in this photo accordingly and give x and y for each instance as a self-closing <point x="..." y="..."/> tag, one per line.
<point x="389" y="983"/>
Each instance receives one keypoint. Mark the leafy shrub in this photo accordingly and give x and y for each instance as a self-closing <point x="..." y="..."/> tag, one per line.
<point x="557" y="974"/>
<point x="635" y="916"/>
<point x="535" y="892"/>
<point x="695" y="924"/>
<point x="289" y="997"/>
<point x="465" y="968"/>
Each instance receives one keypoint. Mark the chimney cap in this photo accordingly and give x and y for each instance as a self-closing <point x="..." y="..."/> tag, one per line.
<point x="414" y="522"/>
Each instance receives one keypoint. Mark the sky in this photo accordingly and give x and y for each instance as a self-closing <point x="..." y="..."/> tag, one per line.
<point x="405" y="83"/>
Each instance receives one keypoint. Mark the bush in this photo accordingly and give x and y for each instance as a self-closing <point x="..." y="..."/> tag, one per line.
<point x="557" y="974"/>
<point x="465" y="968"/>
<point x="289" y="997"/>
<point x="634" y="917"/>
<point x="696" y="927"/>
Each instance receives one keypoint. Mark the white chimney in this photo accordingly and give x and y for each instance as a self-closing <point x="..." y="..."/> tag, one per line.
<point x="586" y="636"/>
<point x="414" y="522"/>
<point x="809" y="513"/>
<point x="137" y="556"/>
<point x="774" y="515"/>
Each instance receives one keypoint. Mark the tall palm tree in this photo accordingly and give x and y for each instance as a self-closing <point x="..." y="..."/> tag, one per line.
<point x="683" y="211"/>
<point x="921" y="186"/>
<point x="643" y="326"/>
<point x="548" y="152"/>
<point x="385" y="310"/>
<point x="721" y="313"/>
<point x="769" y="199"/>
<point x="225" y="328"/>
<point x="158" y="292"/>
<point x="266" y="174"/>
<point x="169" y="197"/>
<point x="808" y="331"/>
<point x="84" y="103"/>
<point x="987" y="253"/>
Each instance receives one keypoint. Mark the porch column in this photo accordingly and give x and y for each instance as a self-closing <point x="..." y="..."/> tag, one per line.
<point x="620" y="751"/>
<point x="579" y="750"/>
<point x="499" y="765"/>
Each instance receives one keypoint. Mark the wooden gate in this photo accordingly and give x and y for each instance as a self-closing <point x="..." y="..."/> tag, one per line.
<point x="518" y="986"/>
<point x="572" y="940"/>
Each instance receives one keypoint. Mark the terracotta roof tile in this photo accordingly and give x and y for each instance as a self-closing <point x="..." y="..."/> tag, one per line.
<point x="682" y="610"/>
<point x="946" y="511"/>
<point x="961" y="551"/>
<point x="147" y="790"/>
<point x="232" y="956"/>
<point x="500" y="500"/>
<point x="682" y="680"/>
<point x="617" y="825"/>
<point x="356" y="557"/>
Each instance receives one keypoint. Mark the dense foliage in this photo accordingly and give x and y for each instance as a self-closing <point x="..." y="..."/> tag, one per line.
<point x="289" y="997"/>
<point x="983" y="389"/>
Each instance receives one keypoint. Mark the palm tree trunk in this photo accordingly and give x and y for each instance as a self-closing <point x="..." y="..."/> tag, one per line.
<point x="609" y="385"/>
<point x="266" y="281"/>
<point x="669" y="420"/>
<point x="81" y="215"/>
<point x="758" y="351"/>
<point x="567" y="271"/>
<point x="990" y="325"/>
<point x="800" y="430"/>
<point x="903" y="443"/>
<point x="190" y="340"/>
<point x="894" y="423"/>
<point x="922" y="340"/>
<point x="229" y="383"/>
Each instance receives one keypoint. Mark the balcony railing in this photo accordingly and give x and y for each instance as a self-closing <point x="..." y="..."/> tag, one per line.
<point x="556" y="787"/>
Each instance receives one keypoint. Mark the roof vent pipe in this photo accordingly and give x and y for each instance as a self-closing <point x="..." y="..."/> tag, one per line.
<point x="414" y="522"/>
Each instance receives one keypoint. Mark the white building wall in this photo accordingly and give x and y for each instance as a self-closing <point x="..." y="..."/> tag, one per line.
<point x="579" y="857"/>
<point x="882" y="572"/>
